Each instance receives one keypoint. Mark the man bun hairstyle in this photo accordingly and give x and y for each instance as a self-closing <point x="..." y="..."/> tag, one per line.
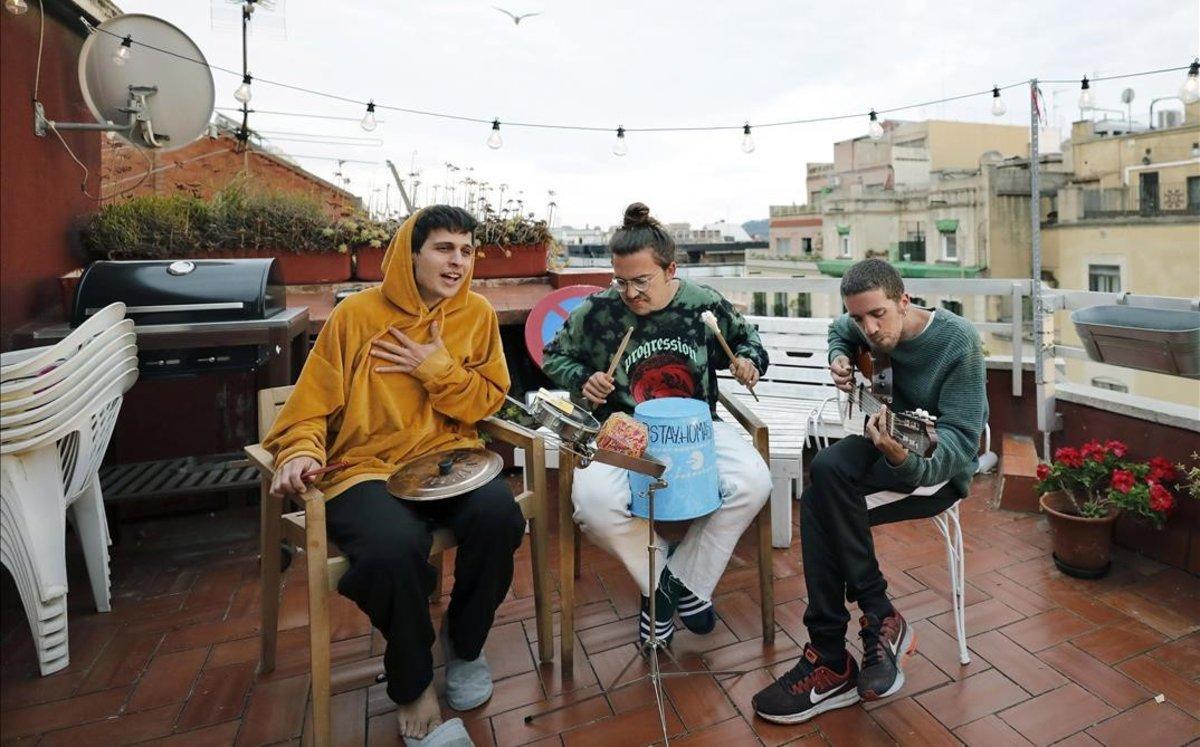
<point x="870" y="274"/>
<point x="638" y="231"/>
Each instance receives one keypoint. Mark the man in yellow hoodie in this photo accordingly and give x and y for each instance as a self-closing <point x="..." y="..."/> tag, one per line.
<point x="399" y="371"/>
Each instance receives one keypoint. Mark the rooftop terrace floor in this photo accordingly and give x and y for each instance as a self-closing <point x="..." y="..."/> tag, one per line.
<point x="1053" y="658"/>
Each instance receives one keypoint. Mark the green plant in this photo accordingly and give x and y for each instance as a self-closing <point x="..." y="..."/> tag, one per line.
<point x="1097" y="479"/>
<point x="515" y="230"/>
<point x="1191" y="476"/>
<point x="235" y="219"/>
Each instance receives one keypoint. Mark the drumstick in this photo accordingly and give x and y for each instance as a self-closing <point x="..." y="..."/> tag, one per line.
<point x="318" y="472"/>
<point x="620" y="351"/>
<point x="710" y="319"/>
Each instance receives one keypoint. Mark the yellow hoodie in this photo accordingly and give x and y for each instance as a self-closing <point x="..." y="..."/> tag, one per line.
<point x="344" y="410"/>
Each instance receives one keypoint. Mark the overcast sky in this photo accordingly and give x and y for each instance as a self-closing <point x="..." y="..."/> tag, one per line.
<point x="658" y="63"/>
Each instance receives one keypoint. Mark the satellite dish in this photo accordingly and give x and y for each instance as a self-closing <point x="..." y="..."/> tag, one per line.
<point x="1127" y="96"/>
<point x="156" y="92"/>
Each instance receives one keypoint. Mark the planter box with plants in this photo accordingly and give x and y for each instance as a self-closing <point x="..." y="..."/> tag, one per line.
<point x="311" y="245"/>
<point x="511" y="247"/>
<point x="1084" y="490"/>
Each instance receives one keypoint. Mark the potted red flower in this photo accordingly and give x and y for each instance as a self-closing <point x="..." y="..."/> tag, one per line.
<point x="1084" y="490"/>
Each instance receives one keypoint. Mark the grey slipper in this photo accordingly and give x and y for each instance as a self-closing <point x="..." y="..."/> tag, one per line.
<point x="468" y="683"/>
<point x="450" y="733"/>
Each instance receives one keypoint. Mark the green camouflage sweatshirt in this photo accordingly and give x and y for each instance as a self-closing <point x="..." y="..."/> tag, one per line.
<point x="670" y="354"/>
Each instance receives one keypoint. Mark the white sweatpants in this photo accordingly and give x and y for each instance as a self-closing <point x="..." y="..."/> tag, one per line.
<point x="601" y="496"/>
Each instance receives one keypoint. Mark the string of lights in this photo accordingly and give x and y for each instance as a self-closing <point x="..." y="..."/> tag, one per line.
<point x="1189" y="92"/>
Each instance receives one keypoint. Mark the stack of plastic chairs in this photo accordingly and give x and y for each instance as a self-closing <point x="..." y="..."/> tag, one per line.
<point x="58" y="406"/>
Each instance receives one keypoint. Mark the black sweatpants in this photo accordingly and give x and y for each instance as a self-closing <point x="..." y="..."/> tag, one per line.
<point x="390" y="578"/>
<point x="835" y="536"/>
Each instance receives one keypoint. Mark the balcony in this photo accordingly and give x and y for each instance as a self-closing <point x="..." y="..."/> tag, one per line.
<point x="1052" y="657"/>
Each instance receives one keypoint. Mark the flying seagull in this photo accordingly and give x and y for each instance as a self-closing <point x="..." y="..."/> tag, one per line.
<point x="516" y="19"/>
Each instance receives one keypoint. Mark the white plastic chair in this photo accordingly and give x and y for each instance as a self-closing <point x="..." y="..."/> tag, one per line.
<point x="18" y="364"/>
<point x="58" y="412"/>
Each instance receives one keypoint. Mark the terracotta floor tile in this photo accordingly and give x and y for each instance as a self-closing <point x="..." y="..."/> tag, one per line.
<point x="219" y="695"/>
<point x="1089" y="607"/>
<point x="639" y="726"/>
<point x="1078" y="739"/>
<point x="276" y="711"/>
<point x="1174" y="588"/>
<point x="942" y="650"/>
<point x="348" y="713"/>
<point x="168" y="679"/>
<point x="937" y="578"/>
<point x="741" y="613"/>
<point x="1047" y="629"/>
<point x="609" y="635"/>
<point x="962" y="702"/>
<point x="1158" y="679"/>
<point x="980" y="618"/>
<point x="752" y="654"/>
<point x="203" y="634"/>
<point x="555" y="681"/>
<point x="126" y="729"/>
<point x="1011" y="593"/>
<point x="507" y="651"/>
<point x="699" y="701"/>
<point x="29" y="688"/>
<point x="851" y="727"/>
<point x="734" y="731"/>
<point x="1118" y="642"/>
<point x="1109" y="685"/>
<point x="1020" y="666"/>
<point x="989" y="731"/>
<point x="1182" y="655"/>
<point x="511" y="729"/>
<point x="513" y="692"/>
<point x="1159" y="615"/>
<point x="918" y="606"/>
<point x="1149" y="725"/>
<point x="1057" y="714"/>
<point x="220" y="735"/>
<point x="910" y="724"/>
<point x="39" y="719"/>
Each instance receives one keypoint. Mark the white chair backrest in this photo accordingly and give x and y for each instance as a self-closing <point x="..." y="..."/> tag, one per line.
<point x="120" y="334"/>
<point x="31" y="437"/>
<point x="25" y="363"/>
<point x="65" y="393"/>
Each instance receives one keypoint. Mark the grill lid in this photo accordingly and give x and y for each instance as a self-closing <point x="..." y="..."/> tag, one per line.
<point x="182" y="291"/>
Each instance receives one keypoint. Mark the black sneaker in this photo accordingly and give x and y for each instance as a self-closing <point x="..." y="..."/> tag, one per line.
<point x="809" y="688"/>
<point x="885" y="643"/>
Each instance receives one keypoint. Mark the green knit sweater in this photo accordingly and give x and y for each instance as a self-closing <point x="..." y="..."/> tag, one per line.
<point x="942" y="371"/>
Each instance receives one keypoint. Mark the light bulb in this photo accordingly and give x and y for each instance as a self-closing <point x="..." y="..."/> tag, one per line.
<point x="494" y="140"/>
<point x="16" y="7"/>
<point x="998" y="107"/>
<point x="747" y="139"/>
<point x="1087" y="99"/>
<point x="874" y="129"/>
<point x="1190" y="90"/>
<point x="368" y="121"/>
<point x="121" y="56"/>
<point x="242" y="93"/>
<point x="620" y="147"/>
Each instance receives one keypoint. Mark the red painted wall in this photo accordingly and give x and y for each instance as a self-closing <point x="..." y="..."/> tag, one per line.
<point x="41" y="206"/>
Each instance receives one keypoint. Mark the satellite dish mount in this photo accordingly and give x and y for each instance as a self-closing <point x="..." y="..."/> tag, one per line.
<point x="137" y="110"/>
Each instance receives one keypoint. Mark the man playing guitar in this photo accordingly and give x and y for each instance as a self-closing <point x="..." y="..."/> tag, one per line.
<point x="938" y="367"/>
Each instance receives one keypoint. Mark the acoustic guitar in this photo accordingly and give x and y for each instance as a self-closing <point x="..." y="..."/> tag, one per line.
<point x="872" y="391"/>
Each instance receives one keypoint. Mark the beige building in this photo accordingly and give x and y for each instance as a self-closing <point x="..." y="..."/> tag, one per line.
<point x="1129" y="221"/>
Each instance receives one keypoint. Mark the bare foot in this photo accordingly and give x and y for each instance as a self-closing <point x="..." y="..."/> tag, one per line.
<point x="418" y="718"/>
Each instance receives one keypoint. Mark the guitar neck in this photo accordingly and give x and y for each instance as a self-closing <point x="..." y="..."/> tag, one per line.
<point x="911" y="433"/>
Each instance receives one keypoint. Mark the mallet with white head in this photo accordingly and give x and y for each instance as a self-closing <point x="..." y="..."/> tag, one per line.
<point x="710" y="319"/>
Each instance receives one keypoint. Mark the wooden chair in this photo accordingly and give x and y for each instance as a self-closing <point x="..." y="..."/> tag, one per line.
<point x="305" y="529"/>
<point x="569" y="541"/>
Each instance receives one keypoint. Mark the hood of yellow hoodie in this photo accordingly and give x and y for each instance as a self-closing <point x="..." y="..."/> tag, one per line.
<point x="400" y="282"/>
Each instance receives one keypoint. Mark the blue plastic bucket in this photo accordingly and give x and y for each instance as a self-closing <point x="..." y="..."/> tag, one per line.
<point x="681" y="436"/>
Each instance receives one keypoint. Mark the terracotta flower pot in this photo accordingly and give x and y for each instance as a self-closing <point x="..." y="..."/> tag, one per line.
<point x="308" y="268"/>
<point x="520" y="261"/>
<point x="368" y="263"/>
<point x="1082" y="545"/>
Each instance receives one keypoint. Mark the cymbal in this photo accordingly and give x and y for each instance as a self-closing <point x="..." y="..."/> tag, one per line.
<point x="444" y="474"/>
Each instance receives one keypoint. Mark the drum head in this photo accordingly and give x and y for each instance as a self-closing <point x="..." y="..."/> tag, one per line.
<point x="444" y="474"/>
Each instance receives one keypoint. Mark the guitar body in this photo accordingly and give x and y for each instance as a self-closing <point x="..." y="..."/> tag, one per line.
<point x="873" y="390"/>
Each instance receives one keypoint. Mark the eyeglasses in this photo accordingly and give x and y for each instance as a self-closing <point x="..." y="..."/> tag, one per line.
<point x="641" y="285"/>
